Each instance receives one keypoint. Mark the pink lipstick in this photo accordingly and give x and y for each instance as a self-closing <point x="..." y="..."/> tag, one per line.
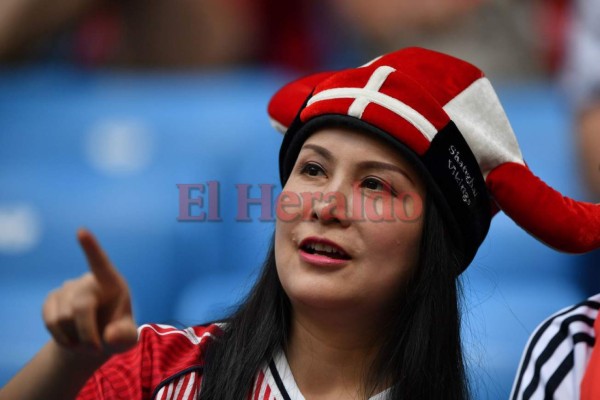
<point x="323" y="252"/>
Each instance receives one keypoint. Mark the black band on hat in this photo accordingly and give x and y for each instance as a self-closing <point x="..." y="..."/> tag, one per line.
<point x="456" y="173"/>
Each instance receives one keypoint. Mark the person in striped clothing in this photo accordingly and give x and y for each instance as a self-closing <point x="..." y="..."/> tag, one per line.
<point x="555" y="361"/>
<point x="560" y="360"/>
<point x="384" y="204"/>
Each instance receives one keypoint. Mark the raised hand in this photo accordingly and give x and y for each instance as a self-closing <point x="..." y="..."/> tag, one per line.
<point x="89" y="319"/>
<point x="92" y="313"/>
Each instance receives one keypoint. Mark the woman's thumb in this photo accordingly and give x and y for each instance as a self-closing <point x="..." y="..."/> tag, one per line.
<point x="120" y="335"/>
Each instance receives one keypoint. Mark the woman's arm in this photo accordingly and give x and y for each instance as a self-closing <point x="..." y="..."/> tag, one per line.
<point x="54" y="373"/>
<point x="89" y="319"/>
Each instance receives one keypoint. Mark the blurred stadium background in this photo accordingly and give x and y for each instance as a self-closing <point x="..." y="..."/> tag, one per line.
<point x="105" y="147"/>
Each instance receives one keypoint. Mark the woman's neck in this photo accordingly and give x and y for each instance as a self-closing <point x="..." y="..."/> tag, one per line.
<point x="329" y="355"/>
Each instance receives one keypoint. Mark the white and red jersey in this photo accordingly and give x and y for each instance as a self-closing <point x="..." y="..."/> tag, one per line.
<point x="167" y="363"/>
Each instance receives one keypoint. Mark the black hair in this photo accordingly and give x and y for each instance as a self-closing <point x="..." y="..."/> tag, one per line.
<point x="421" y="354"/>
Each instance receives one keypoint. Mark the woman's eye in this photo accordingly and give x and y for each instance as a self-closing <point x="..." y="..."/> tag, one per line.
<point x="376" y="185"/>
<point x="311" y="169"/>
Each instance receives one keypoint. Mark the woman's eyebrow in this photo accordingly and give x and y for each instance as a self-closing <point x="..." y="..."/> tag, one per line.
<point x="385" y="166"/>
<point x="318" y="149"/>
<point x="363" y="164"/>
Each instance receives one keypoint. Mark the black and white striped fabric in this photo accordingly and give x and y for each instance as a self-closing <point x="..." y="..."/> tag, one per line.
<point x="556" y="356"/>
<point x="276" y="382"/>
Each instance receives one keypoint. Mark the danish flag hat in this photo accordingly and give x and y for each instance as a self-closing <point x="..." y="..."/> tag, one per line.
<point x="444" y="115"/>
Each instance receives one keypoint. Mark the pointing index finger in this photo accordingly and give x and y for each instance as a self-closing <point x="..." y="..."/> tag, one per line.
<point x="98" y="261"/>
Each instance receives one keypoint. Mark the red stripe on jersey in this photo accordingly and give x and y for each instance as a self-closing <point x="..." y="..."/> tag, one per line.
<point x="177" y="384"/>
<point x="164" y="393"/>
<point x="259" y="382"/>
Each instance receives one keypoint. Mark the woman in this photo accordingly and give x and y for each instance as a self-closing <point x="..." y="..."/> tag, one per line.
<point x="384" y="204"/>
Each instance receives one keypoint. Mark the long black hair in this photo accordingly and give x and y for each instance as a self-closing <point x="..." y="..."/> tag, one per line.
<point x="421" y="354"/>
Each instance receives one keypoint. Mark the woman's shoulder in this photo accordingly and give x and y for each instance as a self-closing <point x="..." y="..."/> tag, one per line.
<point x="164" y="359"/>
<point x="170" y="347"/>
<point x="168" y="335"/>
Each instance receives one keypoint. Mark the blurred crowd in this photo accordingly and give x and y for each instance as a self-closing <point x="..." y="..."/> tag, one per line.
<point x="580" y="76"/>
<point x="171" y="34"/>
<point x="502" y="37"/>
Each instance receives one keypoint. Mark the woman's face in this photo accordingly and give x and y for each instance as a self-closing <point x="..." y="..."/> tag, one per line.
<point x="349" y="223"/>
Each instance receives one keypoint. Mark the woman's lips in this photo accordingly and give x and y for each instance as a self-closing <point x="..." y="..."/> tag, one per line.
<point x="323" y="252"/>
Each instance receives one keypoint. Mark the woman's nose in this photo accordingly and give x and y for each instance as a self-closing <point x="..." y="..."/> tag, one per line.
<point x="333" y="205"/>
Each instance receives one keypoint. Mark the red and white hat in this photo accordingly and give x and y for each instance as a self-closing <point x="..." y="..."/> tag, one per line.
<point x="443" y="113"/>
